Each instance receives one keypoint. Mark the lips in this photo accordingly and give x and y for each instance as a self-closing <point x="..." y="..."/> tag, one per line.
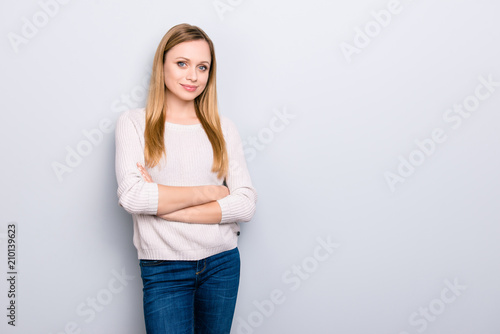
<point x="189" y="87"/>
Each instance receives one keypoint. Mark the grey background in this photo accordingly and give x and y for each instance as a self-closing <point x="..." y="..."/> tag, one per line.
<point x="321" y="176"/>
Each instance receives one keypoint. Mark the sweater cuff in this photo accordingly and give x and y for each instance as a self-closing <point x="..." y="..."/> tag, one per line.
<point x="153" y="196"/>
<point x="225" y="210"/>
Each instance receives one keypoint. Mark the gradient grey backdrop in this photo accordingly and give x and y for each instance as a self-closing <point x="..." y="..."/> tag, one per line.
<point x="320" y="171"/>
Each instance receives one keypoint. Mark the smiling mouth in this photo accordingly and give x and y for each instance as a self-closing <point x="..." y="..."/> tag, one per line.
<point x="190" y="88"/>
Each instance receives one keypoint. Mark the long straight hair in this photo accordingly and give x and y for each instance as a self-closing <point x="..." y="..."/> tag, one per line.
<point x="205" y="104"/>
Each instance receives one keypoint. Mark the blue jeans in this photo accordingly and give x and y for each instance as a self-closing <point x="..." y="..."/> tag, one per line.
<point x="186" y="297"/>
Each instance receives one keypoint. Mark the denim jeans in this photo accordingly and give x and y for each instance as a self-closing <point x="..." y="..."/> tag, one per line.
<point x="186" y="297"/>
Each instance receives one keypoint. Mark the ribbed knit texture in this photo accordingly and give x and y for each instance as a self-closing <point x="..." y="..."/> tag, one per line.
<point x="188" y="162"/>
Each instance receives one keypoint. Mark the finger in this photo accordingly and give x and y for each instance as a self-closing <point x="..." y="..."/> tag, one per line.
<point x="144" y="175"/>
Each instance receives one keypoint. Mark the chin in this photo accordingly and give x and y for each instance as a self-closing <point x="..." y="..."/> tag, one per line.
<point x="189" y="97"/>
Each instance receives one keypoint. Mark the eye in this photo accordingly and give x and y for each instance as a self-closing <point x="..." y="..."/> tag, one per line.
<point x="181" y="63"/>
<point x="203" y="68"/>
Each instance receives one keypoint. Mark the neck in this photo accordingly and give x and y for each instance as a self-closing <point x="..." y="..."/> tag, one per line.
<point x="179" y="109"/>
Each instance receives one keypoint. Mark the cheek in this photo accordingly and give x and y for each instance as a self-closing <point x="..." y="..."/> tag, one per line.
<point x="168" y="82"/>
<point x="204" y="79"/>
<point x="171" y="79"/>
<point x="171" y="74"/>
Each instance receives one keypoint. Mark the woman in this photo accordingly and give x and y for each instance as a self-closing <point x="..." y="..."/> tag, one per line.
<point x="172" y="158"/>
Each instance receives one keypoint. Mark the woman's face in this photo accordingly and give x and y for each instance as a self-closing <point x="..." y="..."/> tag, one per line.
<point x="186" y="69"/>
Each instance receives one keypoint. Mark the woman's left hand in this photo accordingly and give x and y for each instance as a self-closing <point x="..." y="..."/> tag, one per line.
<point x="144" y="172"/>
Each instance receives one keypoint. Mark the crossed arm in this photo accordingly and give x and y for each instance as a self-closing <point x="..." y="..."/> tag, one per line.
<point x="196" y="204"/>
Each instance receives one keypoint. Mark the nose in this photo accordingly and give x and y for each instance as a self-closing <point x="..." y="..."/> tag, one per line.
<point x="191" y="74"/>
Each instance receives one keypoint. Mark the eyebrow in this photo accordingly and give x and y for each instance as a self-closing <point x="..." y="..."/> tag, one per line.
<point x="189" y="59"/>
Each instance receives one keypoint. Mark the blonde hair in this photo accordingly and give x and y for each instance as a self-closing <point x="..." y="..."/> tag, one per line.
<point x="205" y="103"/>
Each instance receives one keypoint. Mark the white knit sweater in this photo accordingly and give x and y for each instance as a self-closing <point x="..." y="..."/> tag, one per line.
<point x="188" y="162"/>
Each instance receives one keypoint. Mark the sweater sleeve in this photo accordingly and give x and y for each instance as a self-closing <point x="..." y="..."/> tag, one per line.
<point x="240" y="204"/>
<point x="135" y="195"/>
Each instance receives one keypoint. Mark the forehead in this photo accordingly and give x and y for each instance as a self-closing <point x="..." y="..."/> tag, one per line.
<point x="197" y="50"/>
